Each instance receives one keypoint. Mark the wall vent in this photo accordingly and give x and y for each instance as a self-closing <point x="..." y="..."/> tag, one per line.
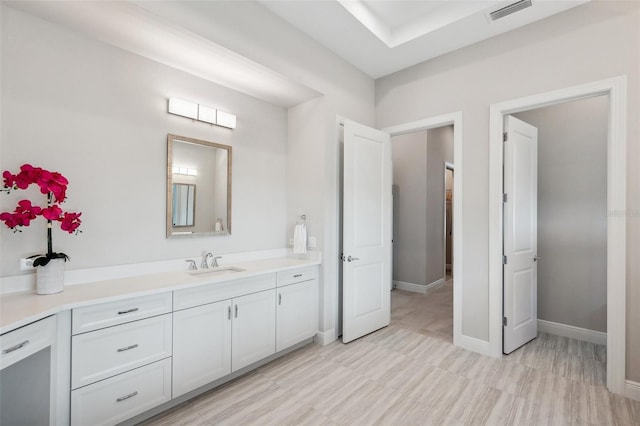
<point x="509" y="9"/>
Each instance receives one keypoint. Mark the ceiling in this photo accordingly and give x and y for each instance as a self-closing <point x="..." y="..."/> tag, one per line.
<point x="378" y="37"/>
<point x="381" y="37"/>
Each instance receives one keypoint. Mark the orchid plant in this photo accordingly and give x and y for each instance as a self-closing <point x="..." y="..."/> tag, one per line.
<point x="54" y="186"/>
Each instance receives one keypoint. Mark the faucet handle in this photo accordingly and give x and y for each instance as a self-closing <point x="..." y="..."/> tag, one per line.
<point x="192" y="264"/>
<point x="214" y="264"/>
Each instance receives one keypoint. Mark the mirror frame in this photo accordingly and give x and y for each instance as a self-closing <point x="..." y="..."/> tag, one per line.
<point x="170" y="230"/>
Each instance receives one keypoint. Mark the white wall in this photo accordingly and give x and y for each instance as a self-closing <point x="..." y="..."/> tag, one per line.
<point x="98" y="115"/>
<point x="252" y="31"/>
<point x="588" y="43"/>
<point x="572" y="212"/>
<point x="409" y="153"/>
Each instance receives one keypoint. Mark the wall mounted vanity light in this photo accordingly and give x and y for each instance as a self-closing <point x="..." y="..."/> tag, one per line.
<point x="188" y="171"/>
<point x="201" y="113"/>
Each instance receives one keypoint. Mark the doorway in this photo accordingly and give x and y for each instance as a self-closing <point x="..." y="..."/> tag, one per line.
<point x="615" y="90"/>
<point x="454" y="119"/>
<point x="419" y="249"/>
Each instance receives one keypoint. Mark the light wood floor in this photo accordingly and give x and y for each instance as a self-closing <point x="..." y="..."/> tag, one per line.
<point x="410" y="373"/>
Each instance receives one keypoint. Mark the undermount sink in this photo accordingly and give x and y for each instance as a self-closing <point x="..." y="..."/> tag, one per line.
<point x="223" y="270"/>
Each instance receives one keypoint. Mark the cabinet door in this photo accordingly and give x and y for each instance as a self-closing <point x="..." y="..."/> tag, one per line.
<point x="253" y="328"/>
<point x="201" y="345"/>
<point x="297" y="313"/>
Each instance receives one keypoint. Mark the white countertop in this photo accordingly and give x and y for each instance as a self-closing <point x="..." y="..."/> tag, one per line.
<point x="19" y="309"/>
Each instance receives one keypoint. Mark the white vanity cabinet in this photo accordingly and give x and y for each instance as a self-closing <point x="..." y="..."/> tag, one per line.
<point x="201" y="346"/>
<point x="103" y="363"/>
<point x="122" y="366"/>
<point x="297" y="306"/>
<point x="253" y="330"/>
<point x="216" y="339"/>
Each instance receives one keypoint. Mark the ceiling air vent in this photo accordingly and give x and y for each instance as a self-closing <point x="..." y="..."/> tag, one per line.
<point x="509" y="9"/>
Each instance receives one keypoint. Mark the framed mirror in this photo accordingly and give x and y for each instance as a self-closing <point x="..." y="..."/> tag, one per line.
<point x="194" y="163"/>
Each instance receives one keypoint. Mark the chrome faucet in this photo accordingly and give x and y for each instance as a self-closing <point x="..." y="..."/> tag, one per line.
<point x="205" y="264"/>
<point x="192" y="264"/>
<point x="214" y="264"/>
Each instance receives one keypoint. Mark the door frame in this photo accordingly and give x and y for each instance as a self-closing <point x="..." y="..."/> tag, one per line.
<point x="616" y="89"/>
<point x="448" y="166"/>
<point x="455" y="119"/>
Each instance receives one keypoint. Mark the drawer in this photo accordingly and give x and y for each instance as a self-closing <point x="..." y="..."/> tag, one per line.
<point x="19" y="344"/>
<point x="297" y="275"/>
<point x="121" y="397"/>
<point x="104" y="353"/>
<point x="196" y="296"/>
<point x="113" y="313"/>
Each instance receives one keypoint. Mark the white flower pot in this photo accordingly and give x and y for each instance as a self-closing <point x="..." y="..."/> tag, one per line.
<point x="50" y="278"/>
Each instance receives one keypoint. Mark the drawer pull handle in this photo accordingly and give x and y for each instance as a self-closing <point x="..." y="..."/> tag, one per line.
<point x="229" y="312"/>
<point x="279" y="298"/>
<point x="131" y="395"/>
<point x="15" y="348"/>
<point x="297" y="275"/>
<point x="236" y="311"/>
<point x="128" y="311"/>
<point x="127" y="348"/>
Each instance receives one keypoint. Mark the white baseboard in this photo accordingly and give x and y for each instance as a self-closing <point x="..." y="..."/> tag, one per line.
<point x="597" y="337"/>
<point x="417" y="288"/>
<point x="323" y="338"/>
<point x="472" y="344"/>
<point x="632" y="390"/>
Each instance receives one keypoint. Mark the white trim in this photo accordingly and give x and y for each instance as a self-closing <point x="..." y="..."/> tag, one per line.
<point x="472" y="344"/>
<point x="455" y="119"/>
<point x="578" y="333"/>
<point x="616" y="89"/>
<point x="323" y="338"/>
<point x="447" y="266"/>
<point x="632" y="390"/>
<point x="413" y="287"/>
<point x="417" y="288"/>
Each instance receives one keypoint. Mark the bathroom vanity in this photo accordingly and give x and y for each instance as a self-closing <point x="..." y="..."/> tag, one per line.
<point x="106" y="352"/>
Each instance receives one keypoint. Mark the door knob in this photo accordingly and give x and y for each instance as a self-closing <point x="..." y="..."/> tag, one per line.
<point x="536" y="258"/>
<point x="350" y="259"/>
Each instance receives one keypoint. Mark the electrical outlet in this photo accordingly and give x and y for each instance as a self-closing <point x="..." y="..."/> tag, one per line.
<point x="313" y="242"/>
<point x="291" y="242"/>
<point x="26" y="264"/>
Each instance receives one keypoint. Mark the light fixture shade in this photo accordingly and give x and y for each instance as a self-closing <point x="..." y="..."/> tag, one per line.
<point x="206" y="114"/>
<point x="183" y="108"/>
<point x="225" y="119"/>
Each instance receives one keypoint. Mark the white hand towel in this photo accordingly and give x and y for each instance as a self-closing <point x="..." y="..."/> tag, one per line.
<point x="300" y="239"/>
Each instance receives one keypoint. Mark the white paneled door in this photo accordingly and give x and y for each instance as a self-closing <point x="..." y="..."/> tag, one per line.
<point x="520" y="234"/>
<point x="367" y="206"/>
